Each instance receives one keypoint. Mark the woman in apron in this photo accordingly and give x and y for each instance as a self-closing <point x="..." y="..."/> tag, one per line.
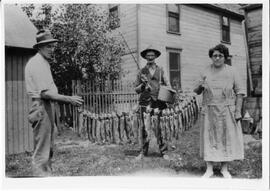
<point x="221" y="138"/>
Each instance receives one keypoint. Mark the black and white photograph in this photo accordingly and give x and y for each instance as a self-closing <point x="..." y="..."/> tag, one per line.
<point x="167" y="91"/>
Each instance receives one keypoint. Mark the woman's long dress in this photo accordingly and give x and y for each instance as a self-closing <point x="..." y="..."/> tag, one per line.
<point x="221" y="137"/>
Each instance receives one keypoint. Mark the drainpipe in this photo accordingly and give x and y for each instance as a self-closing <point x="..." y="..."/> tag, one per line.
<point x="248" y="61"/>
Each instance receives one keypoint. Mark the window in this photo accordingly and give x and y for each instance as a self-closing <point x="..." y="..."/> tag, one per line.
<point x="114" y="16"/>
<point x="174" y="68"/>
<point x="225" y="29"/>
<point x="229" y="60"/>
<point x="173" y="13"/>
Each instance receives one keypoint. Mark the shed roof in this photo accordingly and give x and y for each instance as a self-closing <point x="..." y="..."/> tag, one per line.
<point x="19" y="30"/>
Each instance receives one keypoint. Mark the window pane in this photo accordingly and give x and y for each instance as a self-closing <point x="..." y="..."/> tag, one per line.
<point x="225" y="34"/>
<point x="174" y="60"/>
<point x="225" y="21"/>
<point x="114" y="18"/>
<point x="175" y="79"/>
<point x="173" y="24"/>
<point x="112" y="6"/>
<point x="173" y="8"/>
<point x="114" y="12"/>
<point x="229" y="60"/>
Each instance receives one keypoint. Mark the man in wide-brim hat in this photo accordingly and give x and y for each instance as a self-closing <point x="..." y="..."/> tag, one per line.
<point x="41" y="88"/>
<point x="147" y="84"/>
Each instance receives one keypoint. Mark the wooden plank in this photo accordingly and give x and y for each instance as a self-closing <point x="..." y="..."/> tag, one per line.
<point x="88" y="96"/>
<point x="94" y="97"/>
<point x="9" y="107"/>
<point x="26" y="136"/>
<point x="91" y="97"/>
<point x="74" y="93"/>
<point x="22" y="130"/>
<point x="112" y="96"/>
<point x="9" y="121"/>
<point x="102" y="97"/>
<point x="15" y="127"/>
<point x="106" y="103"/>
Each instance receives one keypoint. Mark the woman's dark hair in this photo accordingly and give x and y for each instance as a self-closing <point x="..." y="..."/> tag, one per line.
<point x="221" y="48"/>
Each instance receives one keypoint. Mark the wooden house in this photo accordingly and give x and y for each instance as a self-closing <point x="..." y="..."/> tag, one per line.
<point x="183" y="33"/>
<point x="19" y="38"/>
<point x="253" y="28"/>
<point x="253" y="35"/>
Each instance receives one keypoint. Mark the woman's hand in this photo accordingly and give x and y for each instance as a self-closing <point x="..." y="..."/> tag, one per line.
<point x="238" y="107"/>
<point x="200" y="86"/>
<point x="237" y="115"/>
<point x="202" y="83"/>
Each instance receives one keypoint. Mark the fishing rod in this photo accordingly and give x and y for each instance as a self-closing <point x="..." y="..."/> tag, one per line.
<point x="130" y="52"/>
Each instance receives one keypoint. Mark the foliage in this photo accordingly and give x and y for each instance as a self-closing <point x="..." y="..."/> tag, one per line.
<point x="86" y="48"/>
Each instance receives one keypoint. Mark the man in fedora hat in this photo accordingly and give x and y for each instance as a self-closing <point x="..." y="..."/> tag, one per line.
<point x="43" y="91"/>
<point x="147" y="84"/>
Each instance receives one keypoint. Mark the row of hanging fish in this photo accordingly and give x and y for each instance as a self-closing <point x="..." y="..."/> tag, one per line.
<point x="122" y="128"/>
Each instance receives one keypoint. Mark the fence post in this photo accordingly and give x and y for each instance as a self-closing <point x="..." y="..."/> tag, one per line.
<point x="73" y="108"/>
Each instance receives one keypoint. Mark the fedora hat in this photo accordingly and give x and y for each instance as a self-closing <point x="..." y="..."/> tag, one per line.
<point x="150" y="48"/>
<point x="44" y="37"/>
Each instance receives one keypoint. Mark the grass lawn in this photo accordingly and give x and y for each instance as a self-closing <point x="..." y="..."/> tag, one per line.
<point x="76" y="157"/>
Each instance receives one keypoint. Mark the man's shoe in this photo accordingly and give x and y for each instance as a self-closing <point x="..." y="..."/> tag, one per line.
<point x="139" y="157"/>
<point x="165" y="157"/>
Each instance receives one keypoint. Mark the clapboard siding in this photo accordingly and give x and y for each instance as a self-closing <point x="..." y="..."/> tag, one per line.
<point x="254" y="39"/>
<point x="128" y="28"/>
<point x="128" y="69"/>
<point x="18" y="131"/>
<point x="199" y="31"/>
<point x="254" y="31"/>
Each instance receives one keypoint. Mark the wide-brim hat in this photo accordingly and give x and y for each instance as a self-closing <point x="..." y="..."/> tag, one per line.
<point x="150" y="48"/>
<point x="44" y="37"/>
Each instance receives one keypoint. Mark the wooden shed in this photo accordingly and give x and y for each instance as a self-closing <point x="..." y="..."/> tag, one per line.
<point x="19" y="39"/>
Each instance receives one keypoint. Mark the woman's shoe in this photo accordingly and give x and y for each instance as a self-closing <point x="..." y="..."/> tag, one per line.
<point x="226" y="174"/>
<point x="208" y="174"/>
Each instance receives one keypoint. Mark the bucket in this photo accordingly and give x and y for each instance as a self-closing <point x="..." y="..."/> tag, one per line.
<point x="166" y="94"/>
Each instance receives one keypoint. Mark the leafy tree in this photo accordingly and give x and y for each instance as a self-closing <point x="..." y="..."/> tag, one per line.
<point x="85" y="42"/>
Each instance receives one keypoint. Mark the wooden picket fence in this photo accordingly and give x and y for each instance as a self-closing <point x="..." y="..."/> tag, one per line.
<point x="119" y="123"/>
<point x="103" y="97"/>
<point x="64" y="114"/>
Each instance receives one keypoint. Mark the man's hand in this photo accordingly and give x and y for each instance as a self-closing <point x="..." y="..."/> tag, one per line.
<point x="75" y="100"/>
<point x="144" y="78"/>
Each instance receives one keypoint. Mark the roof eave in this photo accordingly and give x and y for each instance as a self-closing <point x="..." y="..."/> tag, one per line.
<point x="225" y="11"/>
<point x="252" y="6"/>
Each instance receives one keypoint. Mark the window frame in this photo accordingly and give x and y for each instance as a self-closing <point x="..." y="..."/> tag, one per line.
<point x="168" y="19"/>
<point x="117" y="7"/>
<point x="225" y="28"/>
<point x="178" y="51"/>
<point x="229" y="60"/>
